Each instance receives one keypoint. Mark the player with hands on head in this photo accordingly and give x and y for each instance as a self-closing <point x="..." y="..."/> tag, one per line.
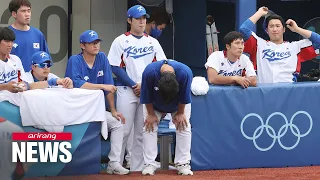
<point x="90" y="69"/>
<point x="277" y="60"/>
<point x="231" y="66"/>
<point x="166" y="88"/>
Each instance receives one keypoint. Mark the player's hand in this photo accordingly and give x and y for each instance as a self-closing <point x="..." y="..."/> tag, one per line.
<point x="292" y="25"/>
<point x="110" y="88"/>
<point x="243" y="81"/>
<point x="150" y="121"/>
<point x="263" y="11"/>
<point x="180" y="121"/>
<point x="119" y="116"/>
<point x="136" y="89"/>
<point x="65" y="82"/>
<point x="13" y="87"/>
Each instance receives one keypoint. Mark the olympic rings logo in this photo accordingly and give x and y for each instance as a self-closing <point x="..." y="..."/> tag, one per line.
<point x="272" y="133"/>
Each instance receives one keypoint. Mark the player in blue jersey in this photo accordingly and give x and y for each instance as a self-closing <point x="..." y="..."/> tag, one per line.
<point x="91" y="70"/>
<point x="29" y="40"/>
<point x="166" y="88"/>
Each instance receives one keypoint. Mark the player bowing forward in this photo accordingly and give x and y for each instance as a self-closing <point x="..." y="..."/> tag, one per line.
<point x="133" y="51"/>
<point x="231" y="66"/>
<point x="166" y="88"/>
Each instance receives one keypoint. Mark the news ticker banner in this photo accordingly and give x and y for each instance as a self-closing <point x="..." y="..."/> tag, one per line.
<point x="85" y="146"/>
<point x="41" y="147"/>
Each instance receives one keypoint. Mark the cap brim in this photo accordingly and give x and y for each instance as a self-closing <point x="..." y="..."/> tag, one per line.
<point x="141" y="14"/>
<point x="94" y="40"/>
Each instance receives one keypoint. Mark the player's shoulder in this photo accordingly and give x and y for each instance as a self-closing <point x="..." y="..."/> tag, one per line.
<point x="101" y="56"/>
<point x="75" y="58"/>
<point x="14" y="58"/>
<point x="35" y="30"/>
<point x="244" y="57"/>
<point x="216" y="55"/>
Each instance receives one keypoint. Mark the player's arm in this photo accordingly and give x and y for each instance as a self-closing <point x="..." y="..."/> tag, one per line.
<point x="250" y="72"/>
<point x="115" y="60"/>
<point x="312" y="36"/>
<point x="214" y="78"/>
<point x="247" y="27"/>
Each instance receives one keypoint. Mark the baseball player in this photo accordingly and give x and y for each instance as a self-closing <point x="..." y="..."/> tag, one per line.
<point x="133" y="51"/>
<point x="277" y="60"/>
<point x="166" y="88"/>
<point x="158" y="20"/>
<point x="91" y="70"/>
<point x="41" y="63"/>
<point x="231" y="66"/>
<point x="28" y="39"/>
<point x="12" y="75"/>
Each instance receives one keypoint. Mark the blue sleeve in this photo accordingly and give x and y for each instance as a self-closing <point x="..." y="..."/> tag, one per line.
<point x="246" y="29"/>
<point x="315" y="39"/>
<point x="122" y="76"/>
<point x="73" y="71"/>
<point x="146" y="87"/>
<point x="185" y="80"/>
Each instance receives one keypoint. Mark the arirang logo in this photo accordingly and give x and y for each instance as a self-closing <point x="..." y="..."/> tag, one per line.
<point x="272" y="133"/>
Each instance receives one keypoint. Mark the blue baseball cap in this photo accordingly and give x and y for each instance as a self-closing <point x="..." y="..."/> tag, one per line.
<point x="89" y="36"/>
<point x="137" y="11"/>
<point x="40" y="57"/>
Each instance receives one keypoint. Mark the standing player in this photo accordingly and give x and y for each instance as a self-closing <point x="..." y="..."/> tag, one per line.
<point x="28" y="39"/>
<point x="166" y="88"/>
<point x="12" y="75"/>
<point x="229" y="66"/>
<point x="91" y="70"/>
<point x="158" y="20"/>
<point x="133" y="51"/>
<point x="277" y="60"/>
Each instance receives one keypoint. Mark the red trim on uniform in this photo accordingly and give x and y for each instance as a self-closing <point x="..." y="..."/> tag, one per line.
<point x="154" y="59"/>
<point x="127" y="33"/>
<point x="305" y="54"/>
<point x="122" y="64"/>
<point x="225" y="53"/>
<point x="250" y="47"/>
<point x="2" y="119"/>
<point x="145" y="34"/>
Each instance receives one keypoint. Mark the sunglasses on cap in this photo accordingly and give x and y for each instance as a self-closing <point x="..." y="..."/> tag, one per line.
<point x="44" y="65"/>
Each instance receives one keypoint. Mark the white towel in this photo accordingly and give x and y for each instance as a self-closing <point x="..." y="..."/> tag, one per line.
<point x="13" y="98"/>
<point x="53" y="108"/>
<point x="199" y="86"/>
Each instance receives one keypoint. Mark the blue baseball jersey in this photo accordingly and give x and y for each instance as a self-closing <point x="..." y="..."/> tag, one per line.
<point x="80" y="73"/>
<point x="150" y="91"/>
<point x="27" y="43"/>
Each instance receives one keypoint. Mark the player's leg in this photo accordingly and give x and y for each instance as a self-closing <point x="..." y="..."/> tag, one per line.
<point x="126" y="104"/>
<point x="183" y="146"/>
<point x="150" y="145"/>
<point x="116" y="128"/>
<point x="129" y="147"/>
<point x="136" y="162"/>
